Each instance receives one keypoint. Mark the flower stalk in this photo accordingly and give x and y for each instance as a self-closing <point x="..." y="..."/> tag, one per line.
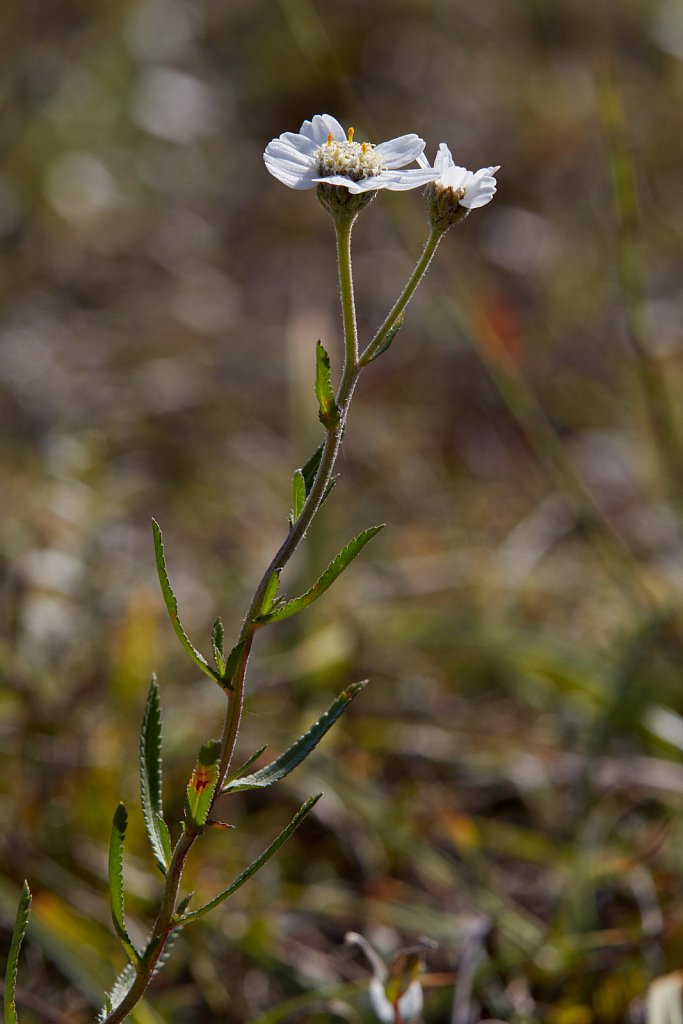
<point x="394" y="317"/>
<point x="351" y="370"/>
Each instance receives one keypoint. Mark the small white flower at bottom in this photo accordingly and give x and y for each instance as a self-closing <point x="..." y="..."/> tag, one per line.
<point x="409" y="1004"/>
<point x="321" y="152"/>
<point x="472" y="188"/>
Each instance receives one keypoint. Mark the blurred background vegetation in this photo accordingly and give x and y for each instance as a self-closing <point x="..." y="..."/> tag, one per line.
<point x="510" y="784"/>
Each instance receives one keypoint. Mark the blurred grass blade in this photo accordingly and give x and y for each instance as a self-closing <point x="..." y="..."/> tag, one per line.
<point x="243" y="767"/>
<point x="300" y="749"/>
<point x="202" y="784"/>
<point x="256" y="865"/>
<point x="150" y="779"/>
<point x="20" y="924"/>
<point x="334" y="569"/>
<point x="172" y="607"/>
<point x="118" y="837"/>
<point x="633" y="271"/>
<point x="324" y="392"/>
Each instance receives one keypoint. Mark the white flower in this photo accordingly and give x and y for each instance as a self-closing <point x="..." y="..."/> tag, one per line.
<point x="409" y="1004"/>
<point x="472" y="188"/>
<point x="322" y="152"/>
<point x="395" y="991"/>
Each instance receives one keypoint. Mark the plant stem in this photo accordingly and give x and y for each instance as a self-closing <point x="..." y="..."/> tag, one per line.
<point x="435" y="236"/>
<point x="162" y="929"/>
<point x="351" y="371"/>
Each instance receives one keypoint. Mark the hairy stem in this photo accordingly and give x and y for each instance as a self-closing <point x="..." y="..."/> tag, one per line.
<point x="351" y="371"/>
<point x="404" y="298"/>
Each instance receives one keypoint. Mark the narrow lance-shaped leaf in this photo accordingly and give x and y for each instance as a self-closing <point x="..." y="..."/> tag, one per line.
<point x="390" y="335"/>
<point x="270" y="592"/>
<point x="334" y="569"/>
<point x="150" y="779"/>
<point x="300" y="749"/>
<point x="310" y="469"/>
<point x="202" y="784"/>
<point x="183" y="905"/>
<point x="255" y="865"/>
<point x="118" y="836"/>
<point x="243" y="767"/>
<point x="231" y="665"/>
<point x="117" y="992"/>
<point x="172" y="606"/>
<point x="217" y="643"/>
<point x="298" y="494"/>
<point x="327" y="406"/>
<point x="20" y="924"/>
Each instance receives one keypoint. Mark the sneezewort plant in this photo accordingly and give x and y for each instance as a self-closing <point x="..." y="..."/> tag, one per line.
<point x="346" y="175"/>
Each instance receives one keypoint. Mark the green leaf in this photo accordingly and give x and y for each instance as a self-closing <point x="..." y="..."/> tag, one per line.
<point x="150" y="779"/>
<point x="118" y="836"/>
<point x="299" y="493"/>
<point x="20" y="924"/>
<point x="165" y="837"/>
<point x="202" y="784"/>
<point x="231" y="665"/>
<point x="270" y="593"/>
<point x="255" y="865"/>
<point x="172" y="607"/>
<point x="119" y="989"/>
<point x="300" y="749"/>
<point x="328" y="408"/>
<point x="217" y="642"/>
<point x="243" y="767"/>
<point x="391" y="334"/>
<point x="183" y="905"/>
<point x="334" y="569"/>
<point x="309" y="470"/>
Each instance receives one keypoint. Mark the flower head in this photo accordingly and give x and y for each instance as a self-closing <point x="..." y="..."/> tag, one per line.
<point x="456" y="187"/>
<point x="322" y="153"/>
<point x="395" y="990"/>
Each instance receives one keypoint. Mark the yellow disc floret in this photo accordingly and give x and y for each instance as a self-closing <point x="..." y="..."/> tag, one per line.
<point x="350" y="159"/>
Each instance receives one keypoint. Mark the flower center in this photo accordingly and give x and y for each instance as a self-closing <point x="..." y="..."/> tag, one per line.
<point x="355" y="160"/>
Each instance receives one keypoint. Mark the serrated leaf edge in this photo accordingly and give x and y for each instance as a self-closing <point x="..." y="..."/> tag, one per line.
<point x="327" y="406"/>
<point x="336" y="567"/>
<point x="151" y="778"/>
<point x="172" y="606"/>
<point x="300" y="749"/>
<point x="12" y="967"/>
<point x="116" y="845"/>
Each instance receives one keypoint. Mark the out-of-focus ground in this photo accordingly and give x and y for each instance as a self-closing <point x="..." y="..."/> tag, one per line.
<point x="513" y="771"/>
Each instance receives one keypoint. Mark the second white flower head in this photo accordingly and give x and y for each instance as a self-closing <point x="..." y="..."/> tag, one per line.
<point x="321" y="152"/>
<point x="471" y="188"/>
